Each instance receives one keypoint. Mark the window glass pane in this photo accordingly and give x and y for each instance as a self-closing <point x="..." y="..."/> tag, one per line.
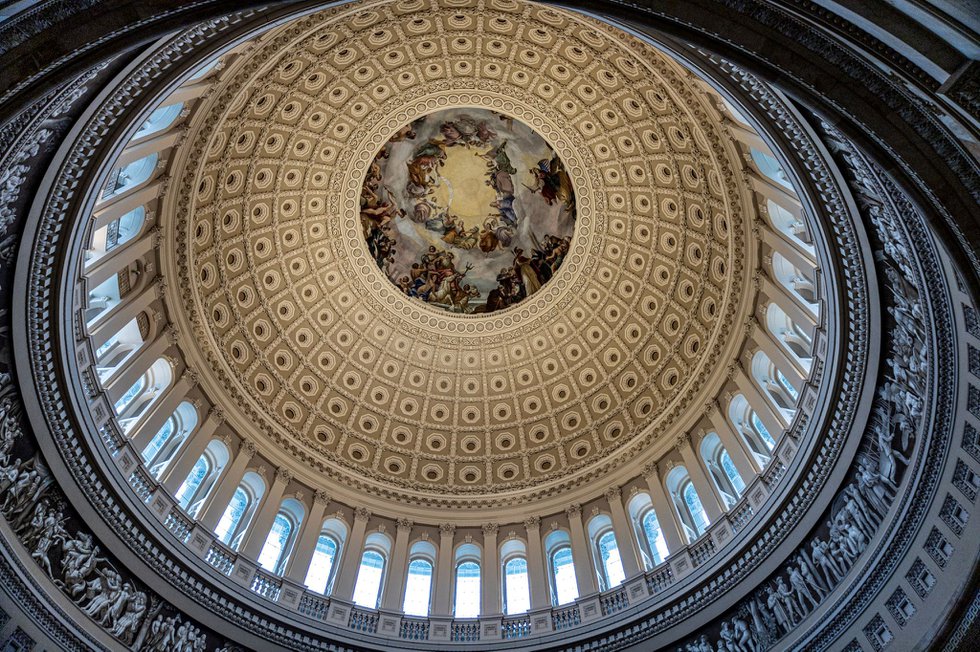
<point x="193" y="480"/>
<point x="130" y="394"/>
<point x="655" y="538"/>
<point x="611" y="563"/>
<point x="158" y="441"/>
<point x="761" y="429"/>
<point x="517" y="592"/>
<point x="321" y="564"/>
<point x="770" y="167"/>
<point x="732" y="472"/>
<point x="275" y="544"/>
<point x="467" y="590"/>
<point x="233" y="514"/>
<point x="563" y="569"/>
<point x="369" y="579"/>
<point x="694" y="506"/>
<point x="784" y="381"/>
<point x="418" y="588"/>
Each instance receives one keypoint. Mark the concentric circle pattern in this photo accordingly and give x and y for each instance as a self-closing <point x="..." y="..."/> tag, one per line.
<point x="307" y="343"/>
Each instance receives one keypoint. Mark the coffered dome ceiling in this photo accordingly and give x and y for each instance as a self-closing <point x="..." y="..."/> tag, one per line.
<point x="310" y="345"/>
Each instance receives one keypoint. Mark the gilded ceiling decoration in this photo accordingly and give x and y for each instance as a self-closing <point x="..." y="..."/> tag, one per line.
<point x="469" y="210"/>
<point x="546" y="132"/>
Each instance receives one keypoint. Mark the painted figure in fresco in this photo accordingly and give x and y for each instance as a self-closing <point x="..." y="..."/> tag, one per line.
<point x="553" y="182"/>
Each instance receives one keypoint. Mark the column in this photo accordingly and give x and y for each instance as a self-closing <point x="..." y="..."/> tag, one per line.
<point x="229" y="482"/>
<point x="394" y="590"/>
<point x="490" y="572"/>
<point x="584" y="569"/>
<point x="343" y="587"/>
<point x="110" y="265"/>
<point x="160" y="411"/>
<point x="707" y="491"/>
<point x="629" y="553"/>
<point x="189" y="92"/>
<point x="119" y="206"/>
<point x="441" y="605"/>
<point x="664" y="508"/>
<point x="190" y="452"/>
<point x="774" y="420"/>
<point x="158" y="142"/>
<point x="131" y="370"/>
<point x="537" y="569"/>
<point x="258" y="530"/>
<point x="789" y="365"/>
<point x="122" y="315"/>
<point x="795" y="310"/>
<point x="746" y="464"/>
<point x="299" y="562"/>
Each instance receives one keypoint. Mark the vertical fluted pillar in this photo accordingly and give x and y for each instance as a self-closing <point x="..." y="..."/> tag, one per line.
<point x="306" y="542"/>
<point x="537" y="569"/>
<point x="707" y="491"/>
<point x="259" y="529"/>
<point x="230" y="480"/>
<point x="490" y="572"/>
<point x="441" y="605"/>
<point x="343" y="587"/>
<point x="625" y="538"/>
<point x="394" y="592"/>
<point x="584" y="569"/>
<point x="664" y="508"/>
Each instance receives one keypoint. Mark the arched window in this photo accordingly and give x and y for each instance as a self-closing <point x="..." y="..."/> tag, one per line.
<point x="130" y="176"/>
<point x="789" y="225"/>
<point x="276" y="543"/>
<point x="160" y="119"/>
<point x="418" y="588"/>
<point x="119" y="348"/>
<point x="611" y="563"/>
<point x="164" y="446"/>
<point x="773" y="384"/>
<point x="793" y="339"/>
<point x="796" y="281"/>
<point x="687" y="503"/>
<point x="564" y="586"/>
<point x="656" y="543"/>
<point x="103" y="298"/>
<point x="134" y="403"/>
<point x="418" y="583"/>
<point x="749" y="426"/>
<point x="115" y="234"/>
<point x="693" y="503"/>
<point x="323" y="565"/>
<point x="721" y="469"/>
<point x="202" y="478"/>
<point x="467" y="590"/>
<point x="189" y="487"/>
<point x="516" y="593"/>
<point x="232" y="516"/>
<point x="369" y="576"/>
<point x="771" y="168"/>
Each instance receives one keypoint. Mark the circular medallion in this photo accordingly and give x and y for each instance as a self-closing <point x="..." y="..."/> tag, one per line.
<point x="469" y="210"/>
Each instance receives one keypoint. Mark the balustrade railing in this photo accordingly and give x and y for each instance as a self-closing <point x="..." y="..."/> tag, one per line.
<point x="314" y="606"/>
<point x="414" y="629"/>
<point x="141" y="483"/>
<point x="519" y="627"/>
<point x="179" y="526"/>
<point x="660" y="578"/>
<point x="566" y="617"/>
<point x="465" y="631"/>
<point x="615" y="601"/>
<point x="741" y="515"/>
<point x="220" y="558"/>
<point x="266" y="585"/>
<point x="363" y="621"/>
<point x="702" y="549"/>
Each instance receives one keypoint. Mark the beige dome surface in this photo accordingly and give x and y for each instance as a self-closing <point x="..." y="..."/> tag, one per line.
<point x="309" y="349"/>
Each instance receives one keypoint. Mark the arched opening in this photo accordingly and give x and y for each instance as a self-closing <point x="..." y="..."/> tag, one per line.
<point x="418" y="583"/>
<point x="687" y="502"/>
<point x="282" y="535"/>
<point x="371" y="572"/>
<point x="561" y="566"/>
<point x="605" y="551"/>
<point x="130" y="176"/>
<point x="653" y="544"/>
<point x="146" y="390"/>
<point x="466" y="600"/>
<point x="158" y="453"/>
<point x="722" y="469"/>
<point x="516" y="588"/>
<point x="323" y="563"/>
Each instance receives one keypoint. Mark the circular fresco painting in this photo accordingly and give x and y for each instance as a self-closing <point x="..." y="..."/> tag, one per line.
<point x="468" y="210"/>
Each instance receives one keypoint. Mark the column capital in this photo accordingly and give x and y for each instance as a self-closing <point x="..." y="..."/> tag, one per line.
<point x="405" y="525"/>
<point x="574" y="510"/>
<point x="283" y="475"/>
<point x="447" y="529"/>
<point x="321" y="497"/>
<point x="651" y="469"/>
<point x="217" y="414"/>
<point x="683" y="441"/>
<point x="247" y="448"/>
<point x="490" y="529"/>
<point x="532" y="523"/>
<point x="362" y="514"/>
<point x="613" y="493"/>
<point x="172" y="333"/>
